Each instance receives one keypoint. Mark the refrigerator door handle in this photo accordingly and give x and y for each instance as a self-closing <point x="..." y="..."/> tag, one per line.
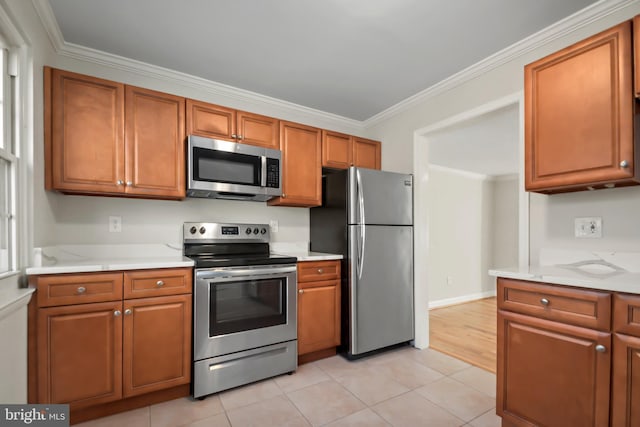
<point x="361" y="235"/>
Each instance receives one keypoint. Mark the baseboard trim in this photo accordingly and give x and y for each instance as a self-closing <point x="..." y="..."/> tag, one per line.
<point x="458" y="300"/>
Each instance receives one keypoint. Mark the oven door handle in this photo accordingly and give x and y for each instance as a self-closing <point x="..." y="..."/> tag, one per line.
<point x="220" y="273"/>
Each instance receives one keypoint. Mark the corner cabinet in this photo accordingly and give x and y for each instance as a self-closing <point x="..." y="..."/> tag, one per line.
<point x="318" y="309"/>
<point x="301" y="148"/>
<point x="104" y="337"/>
<point x="107" y="138"/>
<point x="217" y="122"/>
<point x="340" y="151"/>
<point x="579" y="116"/>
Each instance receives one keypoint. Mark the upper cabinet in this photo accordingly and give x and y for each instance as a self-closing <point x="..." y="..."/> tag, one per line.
<point x="339" y="151"/>
<point x="301" y="166"/>
<point x="579" y="113"/>
<point x="103" y="137"/>
<point x="214" y="121"/>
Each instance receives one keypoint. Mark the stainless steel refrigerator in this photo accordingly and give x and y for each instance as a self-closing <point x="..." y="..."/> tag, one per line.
<point x="367" y="216"/>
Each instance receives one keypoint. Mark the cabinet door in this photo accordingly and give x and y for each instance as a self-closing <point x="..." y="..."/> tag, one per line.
<point x="211" y="121"/>
<point x="157" y="343"/>
<point x="579" y="115"/>
<point x="336" y="150"/>
<point x="155" y="283"/>
<point x="84" y="135"/>
<point x="550" y="374"/>
<point x="301" y="166"/>
<point x="318" y="316"/>
<point x="80" y="354"/>
<point x="625" y="399"/>
<point x="366" y="153"/>
<point x="636" y="55"/>
<point x="254" y="129"/>
<point x="155" y="144"/>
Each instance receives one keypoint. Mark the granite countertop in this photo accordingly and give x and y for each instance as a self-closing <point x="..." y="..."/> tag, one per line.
<point x="301" y="251"/>
<point x="91" y="258"/>
<point x="609" y="271"/>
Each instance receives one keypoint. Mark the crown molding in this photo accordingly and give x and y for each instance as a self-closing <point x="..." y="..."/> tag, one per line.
<point x="557" y="30"/>
<point x="71" y="50"/>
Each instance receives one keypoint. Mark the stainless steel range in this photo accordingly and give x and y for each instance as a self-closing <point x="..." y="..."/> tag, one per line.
<point x="245" y="306"/>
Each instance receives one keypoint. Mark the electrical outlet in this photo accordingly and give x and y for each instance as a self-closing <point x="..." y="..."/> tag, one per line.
<point x="115" y="224"/>
<point x="449" y="280"/>
<point x="588" y="227"/>
<point x="273" y="224"/>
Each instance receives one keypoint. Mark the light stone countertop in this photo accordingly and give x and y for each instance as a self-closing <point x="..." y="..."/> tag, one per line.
<point x="609" y="271"/>
<point x="92" y="258"/>
<point x="301" y="251"/>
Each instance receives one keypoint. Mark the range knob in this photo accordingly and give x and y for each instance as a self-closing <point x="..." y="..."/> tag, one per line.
<point x="248" y="230"/>
<point x="202" y="230"/>
<point x="263" y="231"/>
<point x="256" y="231"/>
<point x="193" y="230"/>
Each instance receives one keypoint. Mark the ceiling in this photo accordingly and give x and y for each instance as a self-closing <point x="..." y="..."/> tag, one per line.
<point x="352" y="58"/>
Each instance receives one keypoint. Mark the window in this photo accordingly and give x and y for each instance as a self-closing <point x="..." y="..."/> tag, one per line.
<point x="8" y="168"/>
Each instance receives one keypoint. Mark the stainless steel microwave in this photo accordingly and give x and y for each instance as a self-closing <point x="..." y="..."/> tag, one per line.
<point x="227" y="170"/>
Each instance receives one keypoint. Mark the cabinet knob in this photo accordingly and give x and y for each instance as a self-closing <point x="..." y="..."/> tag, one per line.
<point x="159" y="283"/>
<point x="624" y="164"/>
<point x="234" y="136"/>
<point x="129" y="184"/>
<point x="240" y="136"/>
<point x="544" y="302"/>
<point x="301" y="291"/>
<point x="320" y="271"/>
<point x="284" y="195"/>
<point x="119" y="182"/>
<point x="600" y="348"/>
<point x="81" y="289"/>
<point x="117" y="313"/>
<point x="128" y="312"/>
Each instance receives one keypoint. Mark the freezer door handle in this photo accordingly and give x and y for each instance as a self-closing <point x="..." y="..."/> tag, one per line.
<point x="361" y="234"/>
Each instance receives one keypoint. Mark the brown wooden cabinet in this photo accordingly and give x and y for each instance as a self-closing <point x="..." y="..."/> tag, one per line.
<point x="217" y="122"/>
<point x="301" y="147"/>
<point x="97" y="343"/>
<point x="103" y="137"/>
<point x="625" y="388"/>
<point x="318" y="309"/>
<point x="579" y="114"/>
<point x="339" y="151"/>
<point x="554" y="355"/>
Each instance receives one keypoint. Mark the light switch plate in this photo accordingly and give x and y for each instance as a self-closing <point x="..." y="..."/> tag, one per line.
<point x="115" y="224"/>
<point x="588" y="227"/>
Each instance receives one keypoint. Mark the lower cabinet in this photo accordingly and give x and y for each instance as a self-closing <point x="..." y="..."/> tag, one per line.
<point x="552" y="374"/>
<point x="91" y="353"/>
<point x="318" y="309"/>
<point x="567" y="356"/>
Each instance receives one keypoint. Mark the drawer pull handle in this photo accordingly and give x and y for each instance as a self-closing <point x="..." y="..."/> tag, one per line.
<point x="81" y="289"/>
<point x="301" y="291"/>
<point x="600" y="348"/>
<point x="160" y="283"/>
<point x="117" y="313"/>
<point x="320" y="271"/>
<point x="128" y="312"/>
<point x="544" y="302"/>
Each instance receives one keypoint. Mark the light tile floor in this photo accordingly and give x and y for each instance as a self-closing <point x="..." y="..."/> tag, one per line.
<point x="401" y="387"/>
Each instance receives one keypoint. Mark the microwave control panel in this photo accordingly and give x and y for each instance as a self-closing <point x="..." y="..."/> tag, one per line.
<point x="273" y="173"/>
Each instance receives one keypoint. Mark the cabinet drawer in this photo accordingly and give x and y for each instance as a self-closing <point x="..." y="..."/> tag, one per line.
<point x="626" y="314"/>
<point x="313" y="271"/>
<point x="587" y="308"/>
<point x="149" y="283"/>
<point x="66" y="289"/>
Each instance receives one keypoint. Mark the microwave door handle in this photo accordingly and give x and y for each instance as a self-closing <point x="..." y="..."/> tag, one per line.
<point x="263" y="171"/>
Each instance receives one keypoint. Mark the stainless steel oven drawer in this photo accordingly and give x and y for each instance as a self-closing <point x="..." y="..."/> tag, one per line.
<point x="233" y="370"/>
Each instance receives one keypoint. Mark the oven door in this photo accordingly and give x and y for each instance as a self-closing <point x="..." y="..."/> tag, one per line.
<point x="239" y="308"/>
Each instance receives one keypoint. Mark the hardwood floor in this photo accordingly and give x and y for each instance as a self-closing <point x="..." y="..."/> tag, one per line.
<point x="466" y="331"/>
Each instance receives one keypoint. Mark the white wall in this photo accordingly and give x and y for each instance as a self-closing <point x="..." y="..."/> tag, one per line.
<point x="13" y="357"/>
<point x="504" y="219"/>
<point x="460" y="248"/>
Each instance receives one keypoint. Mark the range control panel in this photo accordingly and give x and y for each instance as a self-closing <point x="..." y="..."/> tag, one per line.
<point x="224" y="232"/>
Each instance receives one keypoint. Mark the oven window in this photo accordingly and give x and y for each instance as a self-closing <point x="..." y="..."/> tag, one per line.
<point x="246" y="304"/>
<point x="230" y="168"/>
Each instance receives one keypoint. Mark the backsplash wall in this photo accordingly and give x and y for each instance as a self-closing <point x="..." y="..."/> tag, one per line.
<point x="552" y="220"/>
<point x="84" y="219"/>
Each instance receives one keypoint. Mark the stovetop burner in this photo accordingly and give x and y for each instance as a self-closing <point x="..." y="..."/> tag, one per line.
<point x="213" y="245"/>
